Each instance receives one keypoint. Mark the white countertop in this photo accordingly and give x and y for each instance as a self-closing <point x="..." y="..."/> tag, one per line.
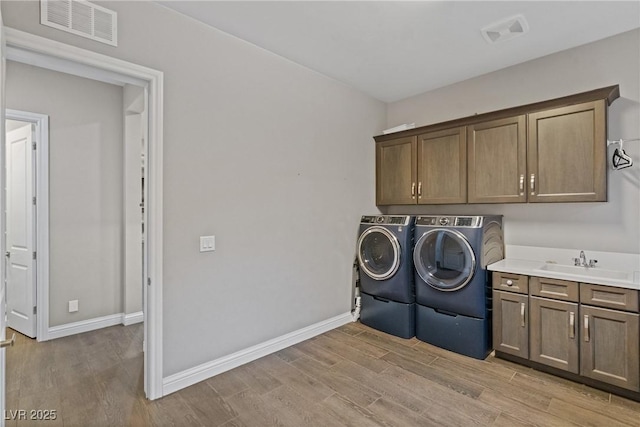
<point x="582" y="274"/>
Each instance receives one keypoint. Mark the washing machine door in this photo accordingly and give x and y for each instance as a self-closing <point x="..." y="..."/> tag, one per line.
<point x="444" y="259"/>
<point x="378" y="253"/>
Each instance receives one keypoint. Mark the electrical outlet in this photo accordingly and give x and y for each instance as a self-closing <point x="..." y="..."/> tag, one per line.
<point x="207" y="243"/>
<point x="73" y="306"/>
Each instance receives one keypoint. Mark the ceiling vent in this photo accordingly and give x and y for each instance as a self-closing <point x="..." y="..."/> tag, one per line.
<point x="81" y="18"/>
<point x="505" y="29"/>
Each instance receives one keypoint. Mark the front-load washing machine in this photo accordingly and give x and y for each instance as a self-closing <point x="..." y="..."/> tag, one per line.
<point x="384" y="251"/>
<point x="453" y="286"/>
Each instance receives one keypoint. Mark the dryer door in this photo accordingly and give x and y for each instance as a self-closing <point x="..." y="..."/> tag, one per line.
<point x="378" y="253"/>
<point x="444" y="259"/>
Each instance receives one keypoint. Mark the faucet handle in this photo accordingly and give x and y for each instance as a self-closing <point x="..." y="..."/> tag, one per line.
<point x="576" y="261"/>
<point x="592" y="262"/>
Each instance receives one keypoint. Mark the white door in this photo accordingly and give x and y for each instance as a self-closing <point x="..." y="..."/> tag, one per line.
<point x="2" y="241"/>
<point x="20" y="237"/>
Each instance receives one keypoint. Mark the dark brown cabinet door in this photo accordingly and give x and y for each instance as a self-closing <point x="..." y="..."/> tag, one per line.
<point x="497" y="161"/>
<point x="553" y="333"/>
<point x="396" y="172"/>
<point x="442" y="167"/>
<point x="510" y="323"/>
<point x="566" y="154"/>
<point x="610" y="350"/>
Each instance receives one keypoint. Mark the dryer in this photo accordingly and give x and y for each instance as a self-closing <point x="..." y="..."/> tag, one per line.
<point x="453" y="286"/>
<point x="384" y="251"/>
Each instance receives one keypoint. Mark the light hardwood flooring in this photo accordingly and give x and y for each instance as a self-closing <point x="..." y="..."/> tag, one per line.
<point x="351" y="376"/>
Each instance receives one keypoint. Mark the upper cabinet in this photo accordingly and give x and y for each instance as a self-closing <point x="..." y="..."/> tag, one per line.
<point x="566" y="154"/>
<point x="551" y="151"/>
<point x="396" y="172"/>
<point x="497" y="160"/>
<point x="430" y="168"/>
<point x="442" y="167"/>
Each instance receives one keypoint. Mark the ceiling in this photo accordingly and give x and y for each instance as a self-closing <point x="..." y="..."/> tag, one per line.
<point x="393" y="50"/>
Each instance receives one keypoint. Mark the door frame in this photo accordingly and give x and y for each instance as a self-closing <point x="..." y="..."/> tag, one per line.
<point x="35" y="50"/>
<point x="41" y="175"/>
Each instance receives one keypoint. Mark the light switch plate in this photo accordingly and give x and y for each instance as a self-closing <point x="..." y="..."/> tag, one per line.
<point x="207" y="243"/>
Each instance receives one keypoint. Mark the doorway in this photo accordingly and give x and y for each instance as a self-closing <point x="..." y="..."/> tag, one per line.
<point x="27" y="221"/>
<point x="34" y="50"/>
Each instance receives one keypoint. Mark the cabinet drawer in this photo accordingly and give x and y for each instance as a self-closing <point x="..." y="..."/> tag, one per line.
<point x="553" y="288"/>
<point x="511" y="282"/>
<point x="609" y="297"/>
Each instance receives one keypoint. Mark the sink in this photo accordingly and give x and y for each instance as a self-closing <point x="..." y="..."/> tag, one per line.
<point x="587" y="272"/>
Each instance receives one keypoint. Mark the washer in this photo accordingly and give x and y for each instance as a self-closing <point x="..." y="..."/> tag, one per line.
<point x="384" y="251"/>
<point x="452" y="283"/>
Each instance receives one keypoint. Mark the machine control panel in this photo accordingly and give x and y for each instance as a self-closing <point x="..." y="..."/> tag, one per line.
<point x="450" y="221"/>
<point x="465" y="221"/>
<point x="386" y="219"/>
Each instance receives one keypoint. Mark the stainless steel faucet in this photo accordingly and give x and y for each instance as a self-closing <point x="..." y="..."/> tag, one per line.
<point x="581" y="261"/>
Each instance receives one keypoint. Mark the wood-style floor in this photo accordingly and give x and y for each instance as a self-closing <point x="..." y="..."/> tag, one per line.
<point x="351" y="376"/>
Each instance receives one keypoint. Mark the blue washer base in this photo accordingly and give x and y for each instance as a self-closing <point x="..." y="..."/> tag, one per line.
<point x="464" y="335"/>
<point x="395" y="318"/>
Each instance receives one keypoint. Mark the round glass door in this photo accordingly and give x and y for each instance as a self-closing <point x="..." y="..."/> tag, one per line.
<point x="378" y="253"/>
<point x="444" y="259"/>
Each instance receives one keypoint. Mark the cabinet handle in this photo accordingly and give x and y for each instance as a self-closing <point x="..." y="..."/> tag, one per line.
<point x="586" y="328"/>
<point x="419" y="188"/>
<point x="533" y="184"/>
<point x="509" y="282"/>
<point x="413" y="190"/>
<point x="521" y="185"/>
<point x="572" y="324"/>
<point x="522" y="308"/>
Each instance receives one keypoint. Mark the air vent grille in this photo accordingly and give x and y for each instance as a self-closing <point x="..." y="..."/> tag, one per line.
<point x="81" y="18"/>
<point x="506" y="29"/>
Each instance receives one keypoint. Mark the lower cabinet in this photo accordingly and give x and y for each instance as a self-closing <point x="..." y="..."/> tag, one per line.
<point x="557" y="323"/>
<point x="610" y="351"/>
<point x="553" y="334"/>
<point x="510" y="323"/>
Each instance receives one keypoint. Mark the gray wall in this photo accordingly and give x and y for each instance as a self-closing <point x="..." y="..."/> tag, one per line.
<point x="612" y="226"/>
<point x="273" y="159"/>
<point x="85" y="187"/>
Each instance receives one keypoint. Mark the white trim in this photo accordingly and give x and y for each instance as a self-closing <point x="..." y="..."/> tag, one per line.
<point x="70" y="67"/>
<point x="85" y="326"/>
<point x="29" y="43"/>
<point x="94" y="324"/>
<point x="194" y="375"/>
<point x="132" y="318"/>
<point x="42" y="215"/>
<point x="3" y="323"/>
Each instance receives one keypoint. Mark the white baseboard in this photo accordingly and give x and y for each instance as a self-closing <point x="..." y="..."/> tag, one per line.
<point x="94" y="324"/>
<point x="194" y="375"/>
<point x="84" y="326"/>
<point x="132" y="318"/>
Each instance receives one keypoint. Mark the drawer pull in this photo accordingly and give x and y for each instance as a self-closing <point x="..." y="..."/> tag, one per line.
<point x="521" y="185"/>
<point x="522" y="310"/>
<point x="533" y="184"/>
<point x="572" y="324"/>
<point x="509" y="282"/>
<point x="586" y="328"/>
